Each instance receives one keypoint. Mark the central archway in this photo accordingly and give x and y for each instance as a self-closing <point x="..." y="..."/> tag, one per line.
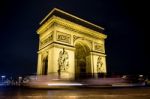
<point x="82" y="60"/>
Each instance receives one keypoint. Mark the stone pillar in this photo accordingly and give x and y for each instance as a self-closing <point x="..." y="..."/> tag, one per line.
<point x="92" y="63"/>
<point x="61" y="55"/>
<point x="50" y="61"/>
<point x="39" y="67"/>
<point x="67" y="69"/>
<point x="99" y="61"/>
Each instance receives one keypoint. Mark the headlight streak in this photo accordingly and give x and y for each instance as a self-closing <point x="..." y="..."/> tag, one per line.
<point x="62" y="84"/>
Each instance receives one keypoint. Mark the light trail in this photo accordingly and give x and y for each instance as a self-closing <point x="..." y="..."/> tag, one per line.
<point x="62" y="84"/>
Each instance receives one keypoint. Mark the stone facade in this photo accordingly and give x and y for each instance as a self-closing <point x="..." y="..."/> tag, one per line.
<point x="68" y="49"/>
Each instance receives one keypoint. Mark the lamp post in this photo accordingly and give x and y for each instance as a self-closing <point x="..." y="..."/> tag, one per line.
<point x="20" y="80"/>
<point x="3" y="77"/>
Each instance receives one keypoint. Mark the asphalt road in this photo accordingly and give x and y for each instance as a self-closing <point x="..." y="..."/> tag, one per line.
<point x="76" y="93"/>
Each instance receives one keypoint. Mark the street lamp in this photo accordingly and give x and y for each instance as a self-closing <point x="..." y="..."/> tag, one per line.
<point x="3" y="77"/>
<point x="20" y="79"/>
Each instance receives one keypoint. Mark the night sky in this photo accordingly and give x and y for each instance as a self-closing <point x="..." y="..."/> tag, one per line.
<point x="125" y="23"/>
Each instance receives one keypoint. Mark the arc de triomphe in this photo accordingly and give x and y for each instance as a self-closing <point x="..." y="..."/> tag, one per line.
<point x="70" y="47"/>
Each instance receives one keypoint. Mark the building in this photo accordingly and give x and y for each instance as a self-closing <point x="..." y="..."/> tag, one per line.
<point x="70" y="47"/>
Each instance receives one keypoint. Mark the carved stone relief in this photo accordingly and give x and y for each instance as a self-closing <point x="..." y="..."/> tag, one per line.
<point x="90" y="41"/>
<point x="75" y="38"/>
<point x="46" y="40"/>
<point x="99" y="47"/>
<point x="99" y="64"/>
<point x="63" y="37"/>
<point x="63" y="61"/>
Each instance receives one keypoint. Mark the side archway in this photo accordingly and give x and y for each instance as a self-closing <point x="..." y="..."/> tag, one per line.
<point x="45" y="65"/>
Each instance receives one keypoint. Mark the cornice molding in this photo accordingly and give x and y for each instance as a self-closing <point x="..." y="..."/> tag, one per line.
<point x="98" y="53"/>
<point x="68" y="24"/>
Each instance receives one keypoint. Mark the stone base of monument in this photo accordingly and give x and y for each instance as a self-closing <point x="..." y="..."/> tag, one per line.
<point x="65" y="75"/>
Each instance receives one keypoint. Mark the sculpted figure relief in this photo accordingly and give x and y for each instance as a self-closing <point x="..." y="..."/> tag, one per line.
<point x="99" y="64"/>
<point x="63" y="62"/>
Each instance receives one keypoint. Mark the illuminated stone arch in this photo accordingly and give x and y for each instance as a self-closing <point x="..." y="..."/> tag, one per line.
<point x="85" y="42"/>
<point x="70" y="42"/>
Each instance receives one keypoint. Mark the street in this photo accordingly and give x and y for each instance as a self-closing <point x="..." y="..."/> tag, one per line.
<point x="76" y="93"/>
